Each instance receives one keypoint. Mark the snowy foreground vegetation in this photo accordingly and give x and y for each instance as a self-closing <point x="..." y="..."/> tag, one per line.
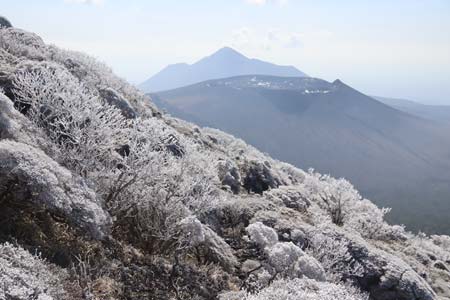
<point x="104" y="197"/>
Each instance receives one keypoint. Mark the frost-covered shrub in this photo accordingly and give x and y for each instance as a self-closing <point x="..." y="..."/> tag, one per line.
<point x="149" y="176"/>
<point x="84" y="131"/>
<point x="296" y="176"/>
<point x="87" y="69"/>
<point x="262" y="235"/>
<point x="434" y="248"/>
<point x="21" y="43"/>
<point x="345" y="207"/>
<point x="154" y="189"/>
<point x="290" y="196"/>
<point x="442" y="241"/>
<point x="24" y="276"/>
<point x="333" y="254"/>
<point x="284" y="256"/>
<point x="97" y="75"/>
<point x="300" y="289"/>
<point x="367" y="219"/>
<point x="234" y="147"/>
<point x="336" y="196"/>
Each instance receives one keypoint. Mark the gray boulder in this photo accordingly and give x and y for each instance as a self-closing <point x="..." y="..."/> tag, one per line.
<point x="387" y="277"/>
<point x="309" y="267"/>
<point x="229" y="175"/>
<point x="113" y="98"/>
<point x="259" y="177"/>
<point x="292" y="197"/>
<point x="199" y="234"/>
<point x="15" y="126"/>
<point x="28" y="174"/>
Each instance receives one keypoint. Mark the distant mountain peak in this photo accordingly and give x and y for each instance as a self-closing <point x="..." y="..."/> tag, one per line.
<point x="227" y="51"/>
<point x="225" y="62"/>
<point x="225" y="54"/>
<point x="338" y="82"/>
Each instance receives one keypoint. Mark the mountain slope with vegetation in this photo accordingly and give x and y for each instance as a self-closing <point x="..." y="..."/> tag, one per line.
<point x="393" y="158"/>
<point x="104" y="197"/>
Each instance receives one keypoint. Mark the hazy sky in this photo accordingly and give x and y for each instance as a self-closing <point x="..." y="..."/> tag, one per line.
<point x="397" y="48"/>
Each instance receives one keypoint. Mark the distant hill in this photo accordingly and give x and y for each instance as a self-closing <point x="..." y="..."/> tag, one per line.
<point x="439" y="113"/>
<point x="226" y="62"/>
<point x="394" y="158"/>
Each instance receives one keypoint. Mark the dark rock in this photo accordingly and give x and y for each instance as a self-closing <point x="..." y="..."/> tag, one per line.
<point x="4" y="23"/>
<point x="175" y="149"/>
<point x="15" y="126"/>
<point x="259" y="178"/>
<point x="113" y="98"/>
<point x="172" y="144"/>
<point x="387" y="277"/>
<point x="441" y="266"/>
<point x="124" y="150"/>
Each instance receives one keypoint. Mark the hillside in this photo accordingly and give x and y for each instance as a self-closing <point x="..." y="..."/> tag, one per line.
<point x="104" y="197"/>
<point x="395" y="159"/>
<point x="226" y="62"/>
<point x="439" y="113"/>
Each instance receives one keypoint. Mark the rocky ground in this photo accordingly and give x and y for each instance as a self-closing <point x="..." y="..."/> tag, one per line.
<point x="104" y="197"/>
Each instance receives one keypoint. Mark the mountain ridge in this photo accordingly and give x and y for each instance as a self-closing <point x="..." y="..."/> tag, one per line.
<point x="439" y="113"/>
<point x="335" y="129"/>
<point x="225" y="62"/>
